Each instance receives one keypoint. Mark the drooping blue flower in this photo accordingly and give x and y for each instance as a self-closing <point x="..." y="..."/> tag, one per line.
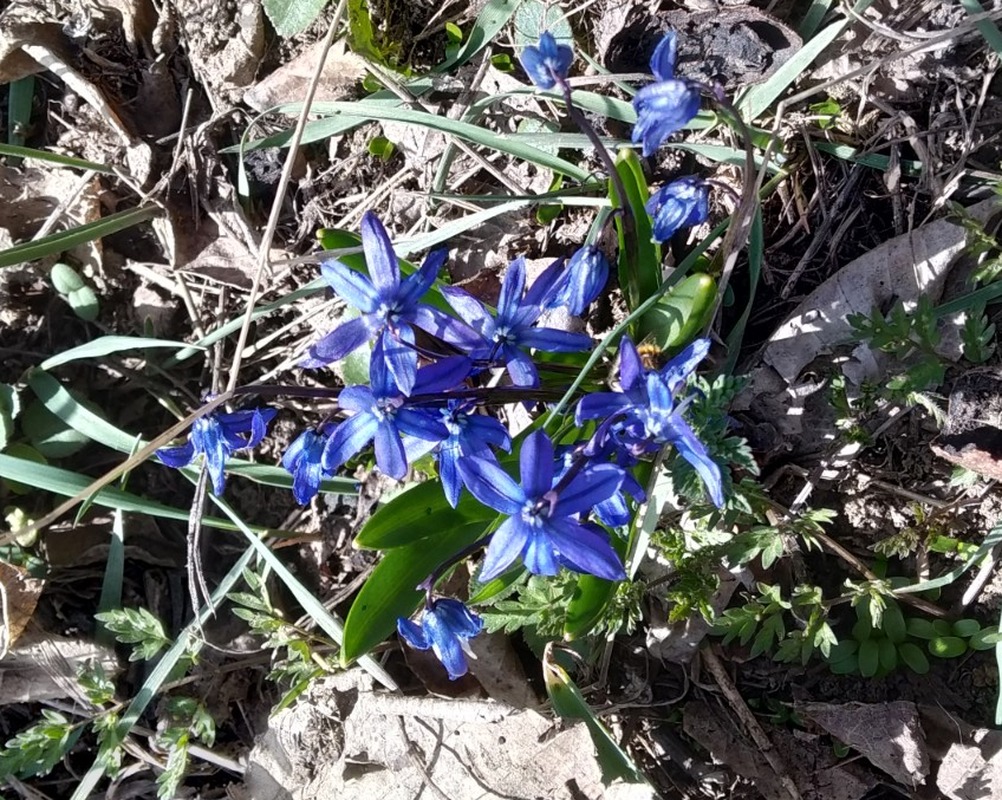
<point x="586" y="276"/>
<point x="390" y="307"/>
<point x="380" y="414"/>
<point x="547" y="63"/>
<point x="666" y="105"/>
<point x="217" y="436"/>
<point x="643" y="416"/>
<point x="303" y="461"/>
<point x="680" y="204"/>
<point x="446" y="626"/>
<point x="469" y="435"/>
<point x="542" y="526"/>
<point x="513" y="326"/>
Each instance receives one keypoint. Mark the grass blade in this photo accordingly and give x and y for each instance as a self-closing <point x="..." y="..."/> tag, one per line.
<point x="53" y="158"/>
<point x="64" y="240"/>
<point x="106" y="345"/>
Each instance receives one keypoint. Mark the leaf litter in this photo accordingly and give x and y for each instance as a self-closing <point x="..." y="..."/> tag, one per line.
<point x="342" y="738"/>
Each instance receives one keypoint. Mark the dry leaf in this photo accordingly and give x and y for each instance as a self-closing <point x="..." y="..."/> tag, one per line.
<point x="19" y="594"/>
<point x="888" y="734"/>
<point x="342" y="70"/>
<point x="904" y="268"/>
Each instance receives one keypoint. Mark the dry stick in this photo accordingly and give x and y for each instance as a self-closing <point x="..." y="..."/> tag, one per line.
<point x="760" y="737"/>
<point x="283" y="186"/>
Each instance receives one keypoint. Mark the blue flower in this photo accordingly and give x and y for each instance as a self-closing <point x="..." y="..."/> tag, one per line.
<point x="469" y="435"/>
<point x="586" y="276"/>
<point x="666" y="105"/>
<point x="680" y="204"/>
<point x="512" y="328"/>
<point x="548" y="63"/>
<point x="446" y="626"/>
<point x="643" y="417"/>
<point x="389" y="307"/>
<point x="379" y="414"/>
<point x="303" y="461"/>
<point x="217" y="436"/>
<point x="542" y="526"/>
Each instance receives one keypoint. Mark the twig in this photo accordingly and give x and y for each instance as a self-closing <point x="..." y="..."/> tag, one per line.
<point x="758" y="735"/>
<point x="283" y="184"/>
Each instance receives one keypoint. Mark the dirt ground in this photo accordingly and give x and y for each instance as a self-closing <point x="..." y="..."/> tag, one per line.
<point x="159" y="93"/>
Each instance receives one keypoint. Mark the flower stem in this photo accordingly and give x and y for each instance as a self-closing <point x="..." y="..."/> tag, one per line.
<point x="622" y="201"/>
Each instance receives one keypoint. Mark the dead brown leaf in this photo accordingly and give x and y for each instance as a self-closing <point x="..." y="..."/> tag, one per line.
<point x="888" y="734"/>
<point x="19" y="594"/>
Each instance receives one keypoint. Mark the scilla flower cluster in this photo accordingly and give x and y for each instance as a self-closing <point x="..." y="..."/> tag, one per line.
<point x="437" y="370"/>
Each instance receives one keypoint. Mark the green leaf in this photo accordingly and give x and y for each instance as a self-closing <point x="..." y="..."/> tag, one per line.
<point x="965" y="628"/>
<point x="920" y="628"/>
<point x="136" y="626"/>
<point x="680" y="316"/>
<point x="58" y="243"/>
<point x="914" y="658"/>
<point x="993" y="538"/>
<point x="570" y="704"/>
<point x="888" y="655"/>
<point x="985" y="639"/>
<point x="869" y="658"/>
<point x="493" y="16"/>
<point x="640" y="258"/>
<point x="389" y="592"/>
<point x="591" y="596"/>
<point x="290" y="17"/>
<point x="106" y="345"/>
<point x="361" y="35"/>
<point x="893" y="623"/>
<point x="418" y="513"/>
<point x="54" y="158"/>
<point x="947" y="646"/>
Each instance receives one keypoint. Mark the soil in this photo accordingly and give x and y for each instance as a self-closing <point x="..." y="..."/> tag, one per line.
<point x="188" y="67"/>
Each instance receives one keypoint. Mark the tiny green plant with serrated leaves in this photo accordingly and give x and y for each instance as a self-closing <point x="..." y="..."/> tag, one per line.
<point x="136" y="626"/>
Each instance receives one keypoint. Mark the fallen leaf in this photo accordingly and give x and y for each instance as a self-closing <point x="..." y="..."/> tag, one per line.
<point x="888" y="734"/>
<point x="971" y="758"/>
<point x="904" y="268"/>
<point x="19" y="594"/>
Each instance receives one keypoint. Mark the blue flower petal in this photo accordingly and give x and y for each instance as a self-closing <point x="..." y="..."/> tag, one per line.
<point x="586" y="548"/>
<point x="506" y="545"/>
<point x="663" y="108"/>
<point x="491" y="485"/>
<point x="413" y="634"/>
<point x="445" y="645"/>
<point x="448" y="471"/>
<point x="447" y="328"/>
<point x="348" y="439"/>
<point x="521" y="368"/>
<point x="414" y="286"/>
<point x="535" y="462"/>
<point x="555" y="341"/>
<point x="351" y="286"/>
<point x="676" y="371"/>
<point x="471" y="310"/>
<point x="458" y="618"/>
<point x="442" y="375"/>
<point x="664" y="57"/>
<point x="590" y="486"/>
<point x="693" y="451"/>
<point x="400" y="358"/>
<point x="379" y="257"/>
<point x="547" y="62"/>
<point x="338" y="343"/>
<point x="512" y="288"/>
<point x="390" y="456"/>
<point x="539" y="556"/>
<point x="680" y="204"/>
<point x="421" y="424"/>
<point x="177" y="457"/>
<point x="631" y="368"/>
<point x="356" y="399"/>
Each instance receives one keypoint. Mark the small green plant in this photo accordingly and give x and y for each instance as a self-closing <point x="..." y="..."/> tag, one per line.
<point x="136" y="626"/>
<point x="877" y="648"/>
